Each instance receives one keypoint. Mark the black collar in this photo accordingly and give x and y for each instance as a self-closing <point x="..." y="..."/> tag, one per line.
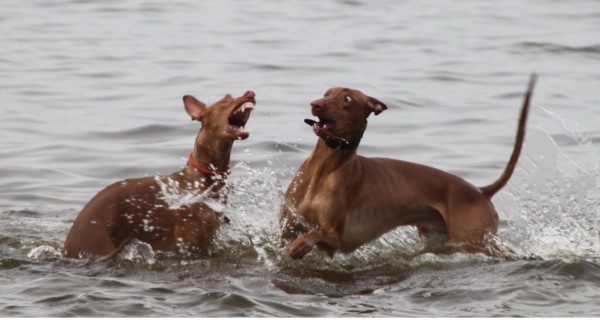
<point x="340" y="144"/>
<point x="336" y="143"/>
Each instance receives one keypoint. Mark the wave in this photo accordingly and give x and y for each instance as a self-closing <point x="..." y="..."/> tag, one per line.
<point x="591" y="50"/>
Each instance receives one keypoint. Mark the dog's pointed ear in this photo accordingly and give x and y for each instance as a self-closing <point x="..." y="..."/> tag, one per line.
<point x="376" y="106"/>
<point x="194" y="107"/>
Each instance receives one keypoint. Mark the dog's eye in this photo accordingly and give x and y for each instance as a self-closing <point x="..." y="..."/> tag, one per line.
<point x="347" y="98"/>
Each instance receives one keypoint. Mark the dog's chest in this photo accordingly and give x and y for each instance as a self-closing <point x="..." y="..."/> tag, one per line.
<point x="321" y="202"/>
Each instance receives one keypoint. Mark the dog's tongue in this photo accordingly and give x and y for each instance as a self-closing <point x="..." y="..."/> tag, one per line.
<point x="310" y="122"/>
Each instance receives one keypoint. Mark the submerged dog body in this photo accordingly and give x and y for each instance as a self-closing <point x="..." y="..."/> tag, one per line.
<point x="339" y="200"/>
<point x="137" y="208"/>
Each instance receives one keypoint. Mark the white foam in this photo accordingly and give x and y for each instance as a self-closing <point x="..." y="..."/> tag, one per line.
<point x="43" y="252"/>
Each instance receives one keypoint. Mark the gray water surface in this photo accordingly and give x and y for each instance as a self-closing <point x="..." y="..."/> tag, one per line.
<point x="91" y="94"/>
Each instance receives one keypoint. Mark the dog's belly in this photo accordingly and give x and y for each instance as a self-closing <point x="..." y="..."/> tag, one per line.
<point x="365" y="226"/>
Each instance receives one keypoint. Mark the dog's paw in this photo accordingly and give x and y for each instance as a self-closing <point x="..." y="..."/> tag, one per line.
<point x="298" y="249"/>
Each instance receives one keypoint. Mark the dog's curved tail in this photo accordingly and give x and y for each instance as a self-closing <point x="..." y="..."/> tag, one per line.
<point x="489" y="191"/>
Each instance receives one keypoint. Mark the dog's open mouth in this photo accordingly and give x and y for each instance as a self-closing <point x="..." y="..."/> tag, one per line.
<point x="324" y="125"/>
<point x="238" y="117"/>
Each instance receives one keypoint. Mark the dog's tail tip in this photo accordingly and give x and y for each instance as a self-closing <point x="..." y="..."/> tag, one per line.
<point x="532" y="80"/>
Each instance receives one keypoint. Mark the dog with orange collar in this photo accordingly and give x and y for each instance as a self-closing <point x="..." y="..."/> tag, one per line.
<point x="137" y="209"/>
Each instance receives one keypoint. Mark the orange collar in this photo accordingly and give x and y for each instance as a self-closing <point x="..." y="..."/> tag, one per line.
<point x="206" y="170"/>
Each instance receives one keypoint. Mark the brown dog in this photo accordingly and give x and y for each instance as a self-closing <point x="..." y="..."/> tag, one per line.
<point x="136" y="208"/>
<point x="349" y="200"/>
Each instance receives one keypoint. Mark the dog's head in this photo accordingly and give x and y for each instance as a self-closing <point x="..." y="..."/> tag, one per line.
<point x="226" y="117"/>
<point x="343" y="113"/>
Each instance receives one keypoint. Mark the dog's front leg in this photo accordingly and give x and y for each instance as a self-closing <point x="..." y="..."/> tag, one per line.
<point x="305" y="242"/>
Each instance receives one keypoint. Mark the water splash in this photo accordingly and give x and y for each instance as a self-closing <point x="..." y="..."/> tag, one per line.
<point x="551" y="203"/>
<point x="253" y="208"/>
<point x="177" y="197"/>
<point x="139" y="252"/>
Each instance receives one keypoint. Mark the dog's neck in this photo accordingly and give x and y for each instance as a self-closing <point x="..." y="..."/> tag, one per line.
<point x="211" y="154"/>
<point x="205" y="170"/>
<point x="329" y="159"/>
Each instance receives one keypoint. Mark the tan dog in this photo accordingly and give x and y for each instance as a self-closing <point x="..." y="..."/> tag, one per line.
<point x="349" y="200"/>
<point x="136" y="209"/>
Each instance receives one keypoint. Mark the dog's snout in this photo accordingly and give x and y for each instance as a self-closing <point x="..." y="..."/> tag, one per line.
<point x="318" y="104"/>
<point x="249" y="94"/>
